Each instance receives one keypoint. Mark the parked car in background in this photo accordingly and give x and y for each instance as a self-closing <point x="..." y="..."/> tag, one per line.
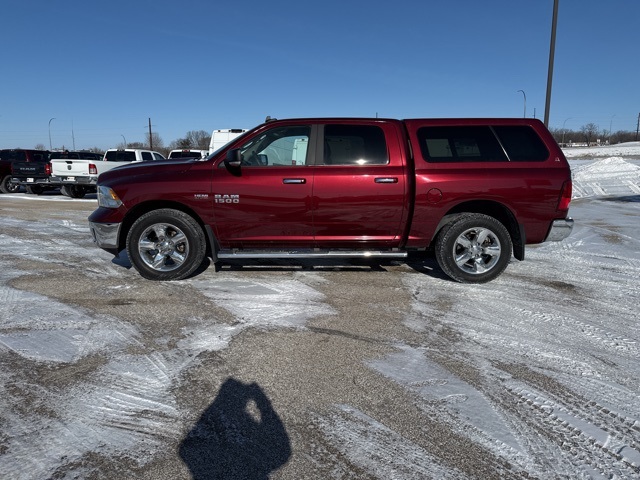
<point x="188" y="153"/>
<point x="10" y="156"/>
<point x="78" y="176"/>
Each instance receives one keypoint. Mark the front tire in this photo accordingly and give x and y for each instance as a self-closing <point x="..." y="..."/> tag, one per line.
<point x="473" y="248"/>
<point x="76" y="191"/>
<point x="35" y="189"/>
<point x="166" y="244"/>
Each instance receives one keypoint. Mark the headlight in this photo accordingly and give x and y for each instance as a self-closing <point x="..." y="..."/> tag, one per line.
<point x="108" y="198"/>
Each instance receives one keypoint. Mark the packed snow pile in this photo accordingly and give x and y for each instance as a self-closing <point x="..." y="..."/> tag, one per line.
<point x="612" y="176"/>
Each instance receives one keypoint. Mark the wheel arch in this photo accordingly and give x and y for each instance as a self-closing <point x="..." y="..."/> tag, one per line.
<point x="143" y="208"/>
<point x="494" y="209"/>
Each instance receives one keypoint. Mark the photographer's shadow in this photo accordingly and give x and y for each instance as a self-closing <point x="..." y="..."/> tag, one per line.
<point x="239" y="436"/>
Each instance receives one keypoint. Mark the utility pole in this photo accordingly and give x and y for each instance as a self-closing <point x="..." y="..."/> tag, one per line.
<point x="150" y="137"/>
<point x="552" y="50"/>
<point x="638" y="127"/>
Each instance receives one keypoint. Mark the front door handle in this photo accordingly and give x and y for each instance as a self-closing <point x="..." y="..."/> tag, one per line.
<point x="288" y="181"/>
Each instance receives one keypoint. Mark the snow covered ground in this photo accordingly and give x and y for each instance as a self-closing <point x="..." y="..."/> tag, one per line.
<point x="534" y="375"/>
<point x="627" y="150"/>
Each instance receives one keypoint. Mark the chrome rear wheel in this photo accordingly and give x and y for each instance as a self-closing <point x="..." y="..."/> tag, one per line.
<point x="473" y="248"/>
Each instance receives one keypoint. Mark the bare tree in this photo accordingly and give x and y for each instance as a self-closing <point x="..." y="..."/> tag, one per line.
<point x="198" y="139"/>
<point x="566" y="137"/>
<point x="590" y="132"/>
<point x="195" y="139"/>
<point x="154" y="141"/>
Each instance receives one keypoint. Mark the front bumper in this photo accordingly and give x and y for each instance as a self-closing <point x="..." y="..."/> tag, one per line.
<point x="560" y="229"/>
<point x="106" y="235"/>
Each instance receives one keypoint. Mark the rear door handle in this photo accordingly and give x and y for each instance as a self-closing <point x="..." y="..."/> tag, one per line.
<point x="386" y="180"/>
<point x="288" y="181"/>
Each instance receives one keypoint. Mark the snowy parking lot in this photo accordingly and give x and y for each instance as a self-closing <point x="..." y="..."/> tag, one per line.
<point x="327" y="371"/>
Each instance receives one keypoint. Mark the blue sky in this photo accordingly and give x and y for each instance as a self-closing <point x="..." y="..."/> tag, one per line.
<point x="103" y="69"/>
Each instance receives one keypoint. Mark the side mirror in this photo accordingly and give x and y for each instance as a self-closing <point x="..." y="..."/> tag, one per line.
<point x="233" y="159"/>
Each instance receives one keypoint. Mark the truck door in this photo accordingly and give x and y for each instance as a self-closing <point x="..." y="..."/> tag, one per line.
<point x="266" y="202"/>
<point x="359" y="187"/>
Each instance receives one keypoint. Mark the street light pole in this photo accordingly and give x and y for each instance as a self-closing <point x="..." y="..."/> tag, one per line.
<point x="125" y="141"/>
<point x="525" y="103"/>
<point x="50" y="147"/>
<point x="610" y="125"/>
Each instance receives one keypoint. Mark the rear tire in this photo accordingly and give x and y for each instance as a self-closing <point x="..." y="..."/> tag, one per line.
<point x="7" y="186"/>
<point x="166" y="244"/>
<point x="473" y="248"/>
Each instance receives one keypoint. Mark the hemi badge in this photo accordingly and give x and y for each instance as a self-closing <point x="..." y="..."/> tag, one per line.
<point x="201" y="196"/>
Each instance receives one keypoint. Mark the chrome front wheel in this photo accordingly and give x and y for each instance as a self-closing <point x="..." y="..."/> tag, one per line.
<point x="166" y="244"/>
<point x="163" y="247"/>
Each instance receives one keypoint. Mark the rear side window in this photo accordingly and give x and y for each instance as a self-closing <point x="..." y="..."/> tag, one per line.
<point x="522" y="143"/>
<point x="354" y="145"/>
<point x="460" y="144"/>
<point x="146" y="156"/>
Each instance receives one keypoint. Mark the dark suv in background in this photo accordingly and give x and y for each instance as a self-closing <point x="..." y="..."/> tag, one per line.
<point x="8" y="157"/>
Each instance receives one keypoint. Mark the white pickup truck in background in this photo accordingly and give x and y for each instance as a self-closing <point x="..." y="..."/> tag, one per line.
<point x="78" y="176"/>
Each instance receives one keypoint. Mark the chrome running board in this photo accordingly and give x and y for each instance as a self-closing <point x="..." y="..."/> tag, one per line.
<point x="315" y="253"/>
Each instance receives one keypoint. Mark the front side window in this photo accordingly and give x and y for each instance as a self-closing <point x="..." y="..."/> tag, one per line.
<point x="460" y="144"/>
<point x="278" y="147"/>
<point x="354" y="145"/>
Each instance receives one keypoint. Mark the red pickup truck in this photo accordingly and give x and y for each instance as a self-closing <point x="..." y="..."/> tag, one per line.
<point x="473" y="191"/>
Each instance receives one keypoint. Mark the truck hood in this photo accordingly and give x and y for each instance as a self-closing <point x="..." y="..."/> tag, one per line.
<point x="150" y="167"/>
